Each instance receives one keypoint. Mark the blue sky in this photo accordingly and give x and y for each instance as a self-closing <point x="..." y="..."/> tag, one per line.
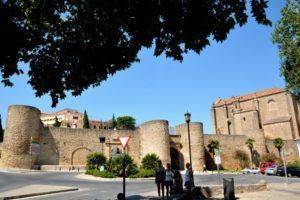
<point x="160" y="88"/>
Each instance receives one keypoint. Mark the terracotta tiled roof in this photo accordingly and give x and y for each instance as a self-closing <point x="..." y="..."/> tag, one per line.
<point x="250" y="96"/>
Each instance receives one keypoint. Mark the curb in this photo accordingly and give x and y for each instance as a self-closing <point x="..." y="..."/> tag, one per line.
<point x="37" y="194"/>
<point x="95" y="178"/>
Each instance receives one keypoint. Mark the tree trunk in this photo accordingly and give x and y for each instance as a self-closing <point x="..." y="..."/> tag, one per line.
<point x="251" y="157"/>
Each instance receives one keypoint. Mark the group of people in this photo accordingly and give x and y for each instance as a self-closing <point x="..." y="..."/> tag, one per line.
<point x="172" y="180"/>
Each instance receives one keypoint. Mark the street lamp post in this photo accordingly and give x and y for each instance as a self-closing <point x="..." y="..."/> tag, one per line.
<point x="187" y="116"/>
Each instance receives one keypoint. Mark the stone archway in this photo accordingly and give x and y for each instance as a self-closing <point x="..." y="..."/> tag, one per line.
<point x="176" y="159"/>
<point x="79" y="156"/>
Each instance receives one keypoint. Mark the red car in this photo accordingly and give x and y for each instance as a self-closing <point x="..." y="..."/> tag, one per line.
<point x="264" y="166"/>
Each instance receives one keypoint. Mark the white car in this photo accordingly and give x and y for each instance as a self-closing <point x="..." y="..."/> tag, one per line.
<point x="251" y="171"/>
<point x="271" y="170"/>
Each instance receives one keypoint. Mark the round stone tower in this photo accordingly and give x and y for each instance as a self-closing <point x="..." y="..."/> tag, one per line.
<point x="197" y="144"/>
<point x="22" y="124"/>
<point x="154" y="138"/>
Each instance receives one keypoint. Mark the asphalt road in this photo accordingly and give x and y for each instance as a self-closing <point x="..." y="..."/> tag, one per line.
<point x="91" y="189"/>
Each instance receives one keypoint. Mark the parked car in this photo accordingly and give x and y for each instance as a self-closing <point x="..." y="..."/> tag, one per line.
<point x="264" y="166"/>
<point x="271" y="170"/>
<point x="250" y="171"/>
<point x="291" y="171"/>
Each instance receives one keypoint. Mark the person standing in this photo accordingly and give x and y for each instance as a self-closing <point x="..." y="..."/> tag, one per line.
<point x="188" y="177"/>
<point x="160" y="175"/>
<point x="169" y="179"/>
<point x="204" y="168"/>
<point x="177" y="188"/>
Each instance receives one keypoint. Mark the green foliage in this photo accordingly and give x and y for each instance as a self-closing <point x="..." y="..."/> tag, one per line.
<point x="95" y="160"/>
<point x="115" y="165"/>
<point x="103" y="174"/>
<point x="56" y="123"/>
<point x="295" y="164"/>
<point x="1" y="130"/>
<point x="126" y="122"/>
<point x="250" y="143"/>
<point x="86" y="123"/>
<point x="150" y="161"/>
<point x="68" y="42"/>
<point x="243" y="158"/>
<point x="269" y="157"/>
<point x="144" y="173"/>
<point x="278" y="143"/>
<point x="287" y="36"/>
<point x="212" y="145"/>
<point x="113" y="122"/>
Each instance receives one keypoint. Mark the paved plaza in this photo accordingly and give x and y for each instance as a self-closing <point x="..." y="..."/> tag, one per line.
<point x="93" y="189"/>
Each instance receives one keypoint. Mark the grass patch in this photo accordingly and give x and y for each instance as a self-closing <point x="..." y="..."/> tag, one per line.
<point x="144" y="173"/>
<point x="103" y="174"/>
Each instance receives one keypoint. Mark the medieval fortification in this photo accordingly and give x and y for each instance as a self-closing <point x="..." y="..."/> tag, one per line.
<point x="262" y="116"/>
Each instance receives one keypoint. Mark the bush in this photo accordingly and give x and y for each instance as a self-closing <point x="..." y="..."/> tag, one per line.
<point x="103" y="174"/>
<point x="243" y="158"/>
<point x="269" y="157"/>
<point x="115" y="165"/>
<point x="295" y="164"/>
<point x="95" y="160"/>
<point x="146" y="173"/>
<point x="150" y="161"/>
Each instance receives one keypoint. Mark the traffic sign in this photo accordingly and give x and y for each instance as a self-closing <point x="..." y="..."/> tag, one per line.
<point x="124" y="140"/>
<point x="218" y="160"/>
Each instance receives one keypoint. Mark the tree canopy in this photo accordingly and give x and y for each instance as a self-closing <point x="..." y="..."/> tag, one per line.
<point x="56" y="122"/>
<point x="278" y="143"/>
<point x="1" y="130"/>
<point x="287" y="36"/>
<point x="86" y="122"/>
<point x="250" y="143"/>
<point x="212" y="145"/>
<point x="71" y="45"/>
<point x="126" y="122"/>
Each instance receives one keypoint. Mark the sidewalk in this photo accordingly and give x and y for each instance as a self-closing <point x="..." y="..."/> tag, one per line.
<point x="277" y="191"/>
<point x="34" y="190"/>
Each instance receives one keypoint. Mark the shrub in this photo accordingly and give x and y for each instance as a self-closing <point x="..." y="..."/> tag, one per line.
<point x="242" y="157"/>
<point x="295" y="164"/>
<point x="115" y="165"/>
<point x="212" y="145"/>
<point x="150" y="161"/>
<point x="103" y="174"/>
<point x="95" y="160"/>
<point x="269" y="157"/>
<point x="146" y="173"/>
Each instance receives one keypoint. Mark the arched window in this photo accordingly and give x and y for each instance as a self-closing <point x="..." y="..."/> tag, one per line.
<point x="272" y="106"/>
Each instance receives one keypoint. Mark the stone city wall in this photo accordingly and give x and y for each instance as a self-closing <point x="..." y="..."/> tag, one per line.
<point x="154" y="138"/>
<point x="197" y="144"/>
<point x="22" y="126"/>
<point x="290" y="150"/>
<point x="66" y="146"/>
<point x="229" y="144"/>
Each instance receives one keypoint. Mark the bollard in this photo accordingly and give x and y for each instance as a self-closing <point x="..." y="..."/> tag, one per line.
<point x="228" y="185"/>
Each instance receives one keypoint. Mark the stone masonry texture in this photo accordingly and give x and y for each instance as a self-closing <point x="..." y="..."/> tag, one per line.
<point x="23" y="125"/>
<point x="68" y="147"/>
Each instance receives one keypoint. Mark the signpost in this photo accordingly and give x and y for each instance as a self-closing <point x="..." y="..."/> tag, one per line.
<point x="218" y="162"/>
<point x="124" y="141"/>
<point x="284" y="164"/>
<point x="102" y="140"/>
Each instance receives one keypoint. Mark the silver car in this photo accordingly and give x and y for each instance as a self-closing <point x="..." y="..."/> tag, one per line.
<point x="251" y="171"/>
<point x="271" y="170"/>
